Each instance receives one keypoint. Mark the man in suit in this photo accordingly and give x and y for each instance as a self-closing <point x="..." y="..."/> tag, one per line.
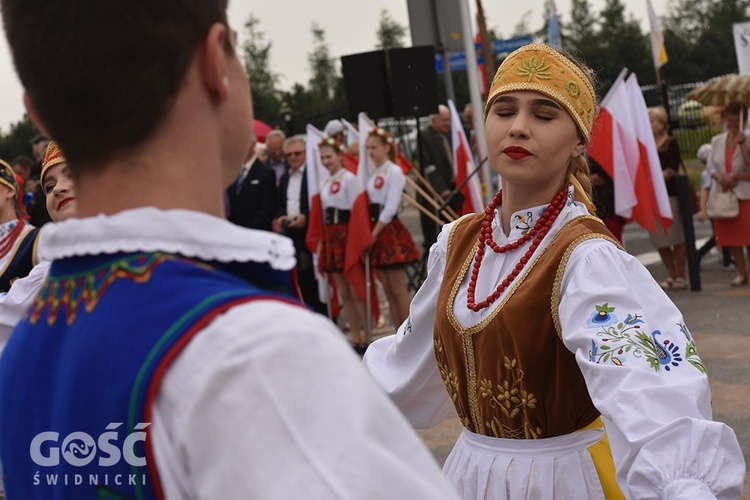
<point x="436" y="161"/>
<point x="252" y="197"/>
<point x="292" y="210"/>
<point x="275" y="151"/>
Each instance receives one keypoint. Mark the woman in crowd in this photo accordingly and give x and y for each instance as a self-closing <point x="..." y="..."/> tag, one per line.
<point x="729" y="166"/>
<point x="393" y="247"/>
<point x="57" y="186"/>
<point x="671" y="244"/>
<point x="337" y="195"/>
<point x="544" y="331"/>
<point x="17" y="237"/>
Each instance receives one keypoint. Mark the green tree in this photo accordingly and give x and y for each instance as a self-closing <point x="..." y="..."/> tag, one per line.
<point x="620" y="44"/>
<point x="17" y="141"/>
<point x="390" y="33"/>
<point x="522" y="26"/>
<point x="322" y="84"/>
<point x="581" y="32"/>
<point x="698" y="37"/>
<point x="263" y="81"/>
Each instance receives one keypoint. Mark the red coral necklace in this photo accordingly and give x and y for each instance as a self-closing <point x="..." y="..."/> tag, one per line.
<point x="540" y="229"/>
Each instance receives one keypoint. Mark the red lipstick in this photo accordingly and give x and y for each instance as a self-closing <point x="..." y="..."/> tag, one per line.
<point x="516" y="152"/>
<point x="64" y="202"/>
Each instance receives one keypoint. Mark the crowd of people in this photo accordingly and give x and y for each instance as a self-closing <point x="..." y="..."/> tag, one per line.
<point x="178" y="339"/>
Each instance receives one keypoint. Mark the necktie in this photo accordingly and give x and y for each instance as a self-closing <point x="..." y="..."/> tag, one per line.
<point x="243" y="176"/>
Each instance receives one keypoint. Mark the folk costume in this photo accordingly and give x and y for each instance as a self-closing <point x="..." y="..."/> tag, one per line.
<point x="394" y="246"/>
<point x="560" y="345"/>
<point x="16" y="301"/>
<point x="18" y="239"/>
<point x="337" y="195"/>
<point x="168" y="340"/>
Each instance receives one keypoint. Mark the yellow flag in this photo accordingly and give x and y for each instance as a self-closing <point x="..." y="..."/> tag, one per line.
<point x="657" y="39"/>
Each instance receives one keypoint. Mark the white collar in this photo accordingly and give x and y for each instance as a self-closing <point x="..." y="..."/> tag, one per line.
<point x="184" y="232"/>
<point x="522" y="221"/>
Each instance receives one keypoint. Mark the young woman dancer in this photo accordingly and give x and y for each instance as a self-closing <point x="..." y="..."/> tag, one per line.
<point x="545" y="332"/>
<point x="393" y="246"/>
<point x="337" y="195"/>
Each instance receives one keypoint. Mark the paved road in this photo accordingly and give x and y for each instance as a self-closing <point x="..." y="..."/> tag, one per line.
<point x="718" y="316"/>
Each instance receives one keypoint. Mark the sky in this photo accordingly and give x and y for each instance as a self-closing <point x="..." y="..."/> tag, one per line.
<point x="350" y="27"/>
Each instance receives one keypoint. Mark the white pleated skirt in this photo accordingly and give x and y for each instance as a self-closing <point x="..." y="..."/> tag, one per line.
<point x="560" y="468"/>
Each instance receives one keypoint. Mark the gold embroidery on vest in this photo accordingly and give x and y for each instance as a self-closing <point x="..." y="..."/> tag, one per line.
<point x="511" y="399"/>
<point x="450" y="379"/>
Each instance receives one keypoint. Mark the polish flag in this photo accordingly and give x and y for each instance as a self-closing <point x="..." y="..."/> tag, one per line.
<point x="623" y="144"/>
<point x="316" y="173"/>
<point x="359" y="236"/>
<point x="463" y="165"/>
<point x="403" y="162"/>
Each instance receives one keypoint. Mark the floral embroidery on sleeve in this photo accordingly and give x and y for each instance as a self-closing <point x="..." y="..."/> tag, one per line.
<point x="620" y="340"/>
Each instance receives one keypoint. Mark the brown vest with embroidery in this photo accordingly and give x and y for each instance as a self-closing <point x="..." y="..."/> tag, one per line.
<point x="510" y="376"/>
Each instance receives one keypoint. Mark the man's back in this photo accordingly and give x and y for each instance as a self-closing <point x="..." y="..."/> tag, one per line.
<point x="216" y="377"/>
<point x="154" y="137"/>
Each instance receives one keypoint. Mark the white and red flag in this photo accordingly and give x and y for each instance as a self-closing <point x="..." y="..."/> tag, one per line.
<point x="316" y="172"/>
<point x="463" y="166"/>
<point x="623" y="144"/>
<point x="359" y="236"/>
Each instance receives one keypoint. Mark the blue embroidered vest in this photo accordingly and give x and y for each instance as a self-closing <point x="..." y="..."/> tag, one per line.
<point x="80" y="373"/>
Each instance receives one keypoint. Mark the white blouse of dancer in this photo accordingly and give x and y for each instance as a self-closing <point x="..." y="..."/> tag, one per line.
<point x="659" y="424"/>
<point x="384" y="187"/>
<point x="339" y="190"/>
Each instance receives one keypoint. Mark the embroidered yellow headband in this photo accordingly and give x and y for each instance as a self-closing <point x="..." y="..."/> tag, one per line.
<point x="540" y="68"/>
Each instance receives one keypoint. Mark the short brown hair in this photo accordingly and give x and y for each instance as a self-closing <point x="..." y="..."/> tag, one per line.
<point x="106" y="72"/>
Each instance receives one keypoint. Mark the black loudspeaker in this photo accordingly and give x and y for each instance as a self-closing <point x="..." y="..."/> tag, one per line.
<point x="366" y="84"/>
<point x="413" y="79"/>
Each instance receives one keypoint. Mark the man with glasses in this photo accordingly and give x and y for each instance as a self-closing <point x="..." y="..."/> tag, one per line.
<point x="292" y="210"/>
<point x="165" y="356"/>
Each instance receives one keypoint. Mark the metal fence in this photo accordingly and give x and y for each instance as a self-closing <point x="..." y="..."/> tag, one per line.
<point x="691" y="123"/>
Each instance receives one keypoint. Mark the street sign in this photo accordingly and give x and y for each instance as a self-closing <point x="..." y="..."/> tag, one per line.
<point x="457" y="60"/>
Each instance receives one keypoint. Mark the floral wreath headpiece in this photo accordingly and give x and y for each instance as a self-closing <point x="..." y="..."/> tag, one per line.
<point x="330" y="141"/>
<point x="387" y="137"/>
<point x="540" y="68"/>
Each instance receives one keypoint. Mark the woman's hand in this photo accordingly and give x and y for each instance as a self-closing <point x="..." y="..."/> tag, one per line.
<point x="702" y="215"/>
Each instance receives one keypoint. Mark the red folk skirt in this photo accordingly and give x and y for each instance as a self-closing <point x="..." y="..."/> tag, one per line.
<point x="734" y="232"/>
<point x="334" y="245"/>
<point x="394" y="246"/>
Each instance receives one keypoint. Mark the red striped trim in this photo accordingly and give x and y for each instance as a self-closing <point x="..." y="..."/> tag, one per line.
<point x="166" y="362"/>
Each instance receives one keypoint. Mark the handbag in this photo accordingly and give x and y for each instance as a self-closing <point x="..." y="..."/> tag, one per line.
<point x="722" y="204"/>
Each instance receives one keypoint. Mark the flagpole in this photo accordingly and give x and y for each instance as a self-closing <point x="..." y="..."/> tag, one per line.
<point x="489" y="57"/>
<point x="476" y="101"/>
<point x="368" y="305"/>
<point x="657" y="70"/>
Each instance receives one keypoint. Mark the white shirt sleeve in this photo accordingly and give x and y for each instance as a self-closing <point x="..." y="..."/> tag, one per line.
<point x="394" y="187"/>
<point x="404" y="364"/>
<point x="644" y="375"/>
<point x="270" y="402"/>
<point x="14" y="304"/>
